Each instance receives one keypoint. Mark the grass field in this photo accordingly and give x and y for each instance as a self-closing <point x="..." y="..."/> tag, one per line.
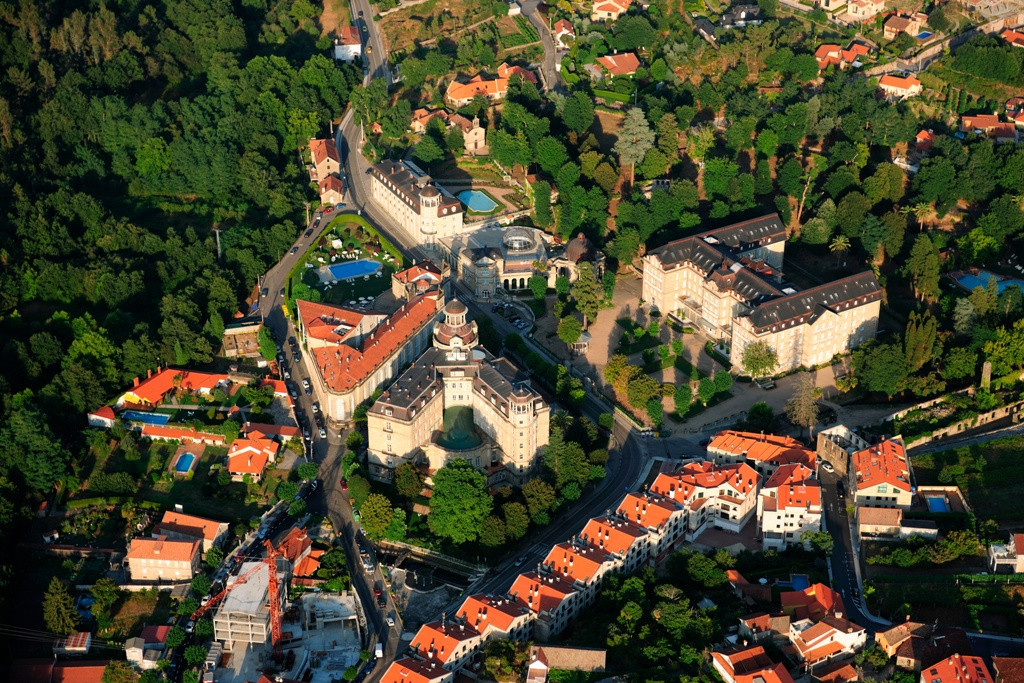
<point x="135" y="610"/>
<point x="989" y="475"/>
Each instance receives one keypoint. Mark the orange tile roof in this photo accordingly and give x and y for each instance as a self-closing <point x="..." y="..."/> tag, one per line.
<point x="153" y="389"/>
<point x="614" y="6"/>
<point x="681" y="485"/>
<point x="647" y="510"/>
<point x="440" y="641"/>
<point x="104" y="411"/>
<point x="563" y="26"/>
<point x="417" y="271"/>
<point x="507" y="71"/>
<point x="332" y="183"/>
<point x="410" y="670"/>
<point x="742" y="660"/>
<point x="826" y="50"/>
<point x="201" y="527"/>
<point x="283" y="431"/>
<point x="1009" y="669"/>
<point x="794" y="487"/>
<point x="1015" y="38"/>
<point x="483" y="612"/>
<point x="814" y="602"/>
<point x="924" y="140"/>
<point x="958" y="669"/>
<point x="980" y="121"/>
<point x="294" y="544"/>
<point x="898" y="82"/>
<point x="309" y="564"/>
<point x="322" y="150"/>
<point x="620" y="65"/>
<point x="349" y="35"/>
<point x="478" y="85"/>
<point x="162" y="548"/>
<point x="540" y="594"/>
<point x="344" y="367"/>
<point x="577" y="563"/>
<point x="768" y="448"/>
<point x="180" y="434"/>
<point x="735" y="577"/>
<point x="251" y="455"/>
<point x="326" y="322"/>
<point x="611" y="534"/>
<point x="843" y="672"/>
<point x="884" y="463"/>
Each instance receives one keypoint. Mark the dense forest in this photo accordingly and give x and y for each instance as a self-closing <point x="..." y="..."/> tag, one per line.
<point x="129" y="131"/>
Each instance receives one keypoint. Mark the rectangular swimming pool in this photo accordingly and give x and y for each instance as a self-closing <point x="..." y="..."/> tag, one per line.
<point x="184" y="463"/>
<point x="354" y="269"/>
<point x="970" y="281"/>
<point x="148" y="418"/>
<point x="937" y="504"/>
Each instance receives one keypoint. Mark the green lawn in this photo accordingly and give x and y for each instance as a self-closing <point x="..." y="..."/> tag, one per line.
<point x="989" y="475"/>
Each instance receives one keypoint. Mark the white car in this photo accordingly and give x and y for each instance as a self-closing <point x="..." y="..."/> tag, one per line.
<point x="827" y="466"/>
<point x="391" y="621"/>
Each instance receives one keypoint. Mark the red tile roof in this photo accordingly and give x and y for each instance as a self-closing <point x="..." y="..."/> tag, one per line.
<point x="767" y="448"/>
<point x="794" y="487"/>
<point x="899" y="83"/>
<point x="483" y="612"/>
<point x="321" y="150"/>
<point x="308" y="565"/>
<point x="506" y="71"/>
<point x="843" y="672"/>
<point x="344" y="367"/>
<point x="332" y="183"/>
<point x="1015" y="38"/>
<point x="1009" y="669"/>
<point x="105" y="412"/>
<point x="283" y="431"/>
<point x="349" y="35"/>
<point x="884" y="463"/>
<point x="251" y="455"/>
<point x="681" y="485"/>
<point x="576" y="563"/>
<point x="56" y="671"/>
<point x="540" y="594"/>
<point x="611" y="534"/>
<point x="620" y="65"/>
<point x="440" y="641"/>
<point x="295" y="543"/>
<point x="200" y="527"/>
<point x="746" y="665"/>
<point x="326" y="322"/>
<point x="924" y="140"/>
<point x="422" y="270"/>
<point x="154" y="634"/>
<point x="647" y="510"/>
<point x="153" y="389"/>
<point x="410" y="670"/>
<point x="958" y="669"/>
<point x="162" y="548"/>
<point x="180" y="434"/>
<point x="814" y="602"/>
<point x="564" y="26"/>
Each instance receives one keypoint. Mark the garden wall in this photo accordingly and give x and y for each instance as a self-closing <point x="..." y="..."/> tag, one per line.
<point x="1013" y="411"/>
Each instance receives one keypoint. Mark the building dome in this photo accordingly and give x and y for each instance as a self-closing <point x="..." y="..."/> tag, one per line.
<point x="519" y="239"/>
<point x="455" y="307"/>
<point x="580" y="249"/>
<point x="430" y="191"/>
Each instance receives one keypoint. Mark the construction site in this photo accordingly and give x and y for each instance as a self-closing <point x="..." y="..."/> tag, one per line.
<point x="314" y="638"/>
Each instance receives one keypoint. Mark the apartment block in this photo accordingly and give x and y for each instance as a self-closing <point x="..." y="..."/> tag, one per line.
<point x="832" y="638"/>
<point x="583" y="564"/>
<point x="551" y="598"/>
<point x="163" y="559"/>
<point x="728" y="282"/>
<point x="880" y="475"/>
<point x="663" y="519"/>
<point x="958" y="669"/>
<point x="764" y="452"/>
<point x="621" y="538"/>
<point x="243" y="617"/>
<point x="788" y="505"/>
<point x="720" y="496"/>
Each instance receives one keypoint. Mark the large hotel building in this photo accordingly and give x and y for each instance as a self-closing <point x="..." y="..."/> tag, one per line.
<point x="728" y="282"/>
<point x="425" y="212"/>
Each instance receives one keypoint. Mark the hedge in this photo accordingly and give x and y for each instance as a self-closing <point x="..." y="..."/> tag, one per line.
<point x="98" y="501"/>
<point x="614" y="96"/>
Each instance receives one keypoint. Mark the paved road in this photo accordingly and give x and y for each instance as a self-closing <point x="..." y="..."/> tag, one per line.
<point x="549" y="74"/>
<point x="946" y="444"/>
<point x="374" y="50"/>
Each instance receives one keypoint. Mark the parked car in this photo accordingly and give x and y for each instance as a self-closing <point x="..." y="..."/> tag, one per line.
<point x="323" y="433"/>
<point x="295" y="250"/>
<point x="309" y="233"/>
<point x="377" y="592"/>
<point x="316" y="407"/>
<point x="827" y="466"/>
<point x="390" y="621"/>
<point x="264" y="291"/>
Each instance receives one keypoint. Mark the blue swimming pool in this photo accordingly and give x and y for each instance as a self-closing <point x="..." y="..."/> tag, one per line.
<point x="148" y="418"/>
<point x="971" y="280"/>
<point x="937" y="504"/>
<point x="184" y="463"/>
<point x="924" y="35"/>
<point x="354" y="269"/>
<point x="477" y="201"/>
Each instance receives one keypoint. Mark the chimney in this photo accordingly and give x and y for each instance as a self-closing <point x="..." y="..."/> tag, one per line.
<point x="135" y="382"/>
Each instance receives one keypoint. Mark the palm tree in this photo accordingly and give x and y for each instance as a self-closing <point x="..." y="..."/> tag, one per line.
<point x="922" y="211"/>
<point x="839" y="246"/>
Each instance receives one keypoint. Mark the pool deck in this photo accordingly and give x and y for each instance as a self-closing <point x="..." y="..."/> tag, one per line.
<point x="196" y="449"/>
<point x="968" y="280"/>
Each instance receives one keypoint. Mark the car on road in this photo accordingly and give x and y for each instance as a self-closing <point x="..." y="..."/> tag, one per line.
<point x="841" y="488"/>
<point x="365" y="30"/>
<point x="329" y="209"/>
<point x="308" y="391"/>
<point x="309" y="233"/>
<point x="520" y="561"/>
<point x="827" y="466"/>
<point x="323" y="433"/>
<point x="282" y="291"/>
<point x="287" y="375"/>
<point x="382" y="601"/>
<point x="390" y="621"/>
<point x="190" y="626"/>
<point x="316" y="407"/>
<point x="297" y="357"/>
<point x="291" y="340"/>
<point x="305" y="383"/>
<point x="264" y="291"/>
<point x="369" y="49"/>
<point x="377" y="592"/>
<point x="295" y="250"/>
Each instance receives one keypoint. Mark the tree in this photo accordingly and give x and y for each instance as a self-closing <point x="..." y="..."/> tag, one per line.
<point x="587" y="293"/>
<point x="175" y="637"/>
<point x="201" y="584"/>
<point x="456" y="141"/>
<point x="922" y="267"/>
<point x="723" y="381"/>
<point x="213" y="557"/>
<point x="839" y="246"/>
<point x="286" y="490"/>
<point x="105" y="593"/>
<point x="59" y="612"/>
<point x="578" y="112"/>
<point x="802" y="406"/>
<point x="460" y="502"/>
<point x="959" y="363"/>
<point x="569" y="329"/>
<point x="118" y="671"/>
<point x="195" y="655"/>
<point x="881" y="368"/>
<point x="298" y="508"/>
<point x="919" y="341"/>
<point x="539" y="497"/>
<point x="703" y="570"/>
<point x="635" y="137"/>
<point x="375" y="516"/>
<point x="427" y="150"/>
<point x="538" y="286"/>
<point x="759" y="359"/>
<point x="204" y="629"/>
<point x="706" y="390"/>
<point x="562" y="286"/>
<point x="358" y="490"/>
<point x="307" y="471"/>
<point x="821" y="541"/>
<point x="551" y="154"/>
<point x="397" y="527"/>
<point x="517" y="521"/>
<point x="408" y="480"/>
<point x="492" y="532"/>
<point x="682" y="397"/>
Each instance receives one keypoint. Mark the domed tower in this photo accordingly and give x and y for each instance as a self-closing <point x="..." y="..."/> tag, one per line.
<point x="455" y="332"/>
<point x="430" y="200"/>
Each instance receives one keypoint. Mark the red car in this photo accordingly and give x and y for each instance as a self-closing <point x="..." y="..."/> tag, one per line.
<point x="329" y="209"/>
<point x="344" y="485"/>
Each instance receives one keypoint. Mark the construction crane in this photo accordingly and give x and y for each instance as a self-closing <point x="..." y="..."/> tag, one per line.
<point x="270" y="561"/>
